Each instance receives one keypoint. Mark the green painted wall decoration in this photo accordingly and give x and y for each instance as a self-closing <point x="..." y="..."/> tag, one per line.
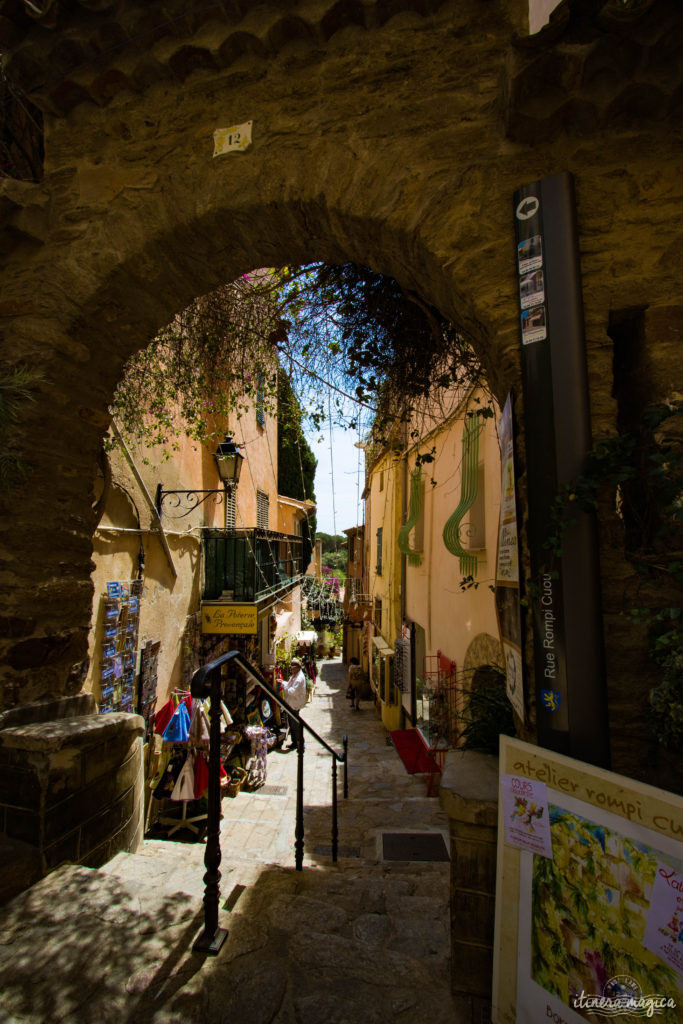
<point x="468" y="492"/>
<point x="414" y="512"/>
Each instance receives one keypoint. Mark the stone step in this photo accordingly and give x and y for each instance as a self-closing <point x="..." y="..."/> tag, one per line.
<point x="300" y="946"/>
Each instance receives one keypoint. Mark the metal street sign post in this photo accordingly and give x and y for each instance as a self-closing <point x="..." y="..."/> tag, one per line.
<point x="565" y="596"/>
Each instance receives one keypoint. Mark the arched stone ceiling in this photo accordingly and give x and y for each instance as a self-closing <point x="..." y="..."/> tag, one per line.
<point x="390" y="133"/>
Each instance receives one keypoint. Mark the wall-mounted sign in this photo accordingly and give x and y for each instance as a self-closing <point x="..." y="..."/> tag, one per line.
<point x="230" y="619"/>
<point x="590" y="928"/>
<point x="235" y="139"/>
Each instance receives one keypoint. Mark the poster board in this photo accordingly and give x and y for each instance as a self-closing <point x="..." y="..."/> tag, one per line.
<point x="595" y="930"/>
<point x="507" y="592"/>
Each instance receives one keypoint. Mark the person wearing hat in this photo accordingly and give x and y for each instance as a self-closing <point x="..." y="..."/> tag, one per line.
<point x="295" y="695"/>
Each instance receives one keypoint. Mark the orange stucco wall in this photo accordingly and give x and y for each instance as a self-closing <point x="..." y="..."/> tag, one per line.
<point x="168" y="600"/>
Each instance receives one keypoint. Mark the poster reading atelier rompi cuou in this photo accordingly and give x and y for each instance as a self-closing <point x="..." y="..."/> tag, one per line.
<point x="591" y="928"/>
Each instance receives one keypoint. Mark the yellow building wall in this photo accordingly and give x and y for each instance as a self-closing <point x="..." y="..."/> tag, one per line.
<point x="168" y="601"/>
<point x="383" y="510"/>
<point x="451" y="617"/>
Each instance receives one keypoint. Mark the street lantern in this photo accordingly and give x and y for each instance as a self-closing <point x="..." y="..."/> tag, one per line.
<point x="229" y="460"/>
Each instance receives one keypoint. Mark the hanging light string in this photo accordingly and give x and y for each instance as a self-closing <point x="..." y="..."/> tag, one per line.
<point x="255" y="490"/>
<point x="334" y="506"/>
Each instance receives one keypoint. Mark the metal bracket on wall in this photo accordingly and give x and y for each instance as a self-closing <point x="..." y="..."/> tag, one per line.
<point x="147" y="496"/>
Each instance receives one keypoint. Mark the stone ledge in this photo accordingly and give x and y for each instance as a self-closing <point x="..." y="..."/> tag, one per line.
<point x="48" y="710"/>
<point x="469" y="787"/>
<point x="85" y="731"/>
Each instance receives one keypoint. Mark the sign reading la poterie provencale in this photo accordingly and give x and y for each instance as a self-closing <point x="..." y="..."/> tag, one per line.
<point x="230" y="619"/>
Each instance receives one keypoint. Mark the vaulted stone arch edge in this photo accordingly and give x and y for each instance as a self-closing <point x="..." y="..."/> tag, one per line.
<point x="440" y="222"/>
<point x="47" y="598"/>
<point x="83" y="346"/>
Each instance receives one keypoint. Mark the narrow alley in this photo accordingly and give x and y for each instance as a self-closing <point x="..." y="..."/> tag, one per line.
<point x="365" y="940"/>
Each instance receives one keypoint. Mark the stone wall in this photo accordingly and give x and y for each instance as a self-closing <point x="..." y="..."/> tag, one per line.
<point x="469" y="796"/>
<point x="391" y="134"/>
<point x="71" y="786"/>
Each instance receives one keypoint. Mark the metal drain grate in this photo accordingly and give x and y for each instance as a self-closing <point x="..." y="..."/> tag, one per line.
<point x="342" y="851"/>
<point x="425" y="846"/>
<point x="273" y="790"/>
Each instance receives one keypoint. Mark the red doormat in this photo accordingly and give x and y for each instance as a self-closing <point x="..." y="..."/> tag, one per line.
<point x="413" y="752"/>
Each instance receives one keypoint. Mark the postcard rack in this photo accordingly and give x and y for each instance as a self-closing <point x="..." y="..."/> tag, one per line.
<point x="119" y="652"/>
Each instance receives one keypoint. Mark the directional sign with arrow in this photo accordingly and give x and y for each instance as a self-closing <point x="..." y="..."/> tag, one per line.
<point x="527" y="208"/>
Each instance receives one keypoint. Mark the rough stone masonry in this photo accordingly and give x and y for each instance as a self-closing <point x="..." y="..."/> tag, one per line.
<point x="391" y="133"/>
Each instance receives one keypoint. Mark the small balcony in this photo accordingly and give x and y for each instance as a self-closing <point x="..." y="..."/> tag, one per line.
<point x="249" y="565"/>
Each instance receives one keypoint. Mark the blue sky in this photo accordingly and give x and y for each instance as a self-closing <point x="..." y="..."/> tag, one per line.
<point x="348" y="485"/>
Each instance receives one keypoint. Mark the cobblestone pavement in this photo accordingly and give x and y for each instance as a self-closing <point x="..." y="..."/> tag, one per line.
<point x="364" y="940"/>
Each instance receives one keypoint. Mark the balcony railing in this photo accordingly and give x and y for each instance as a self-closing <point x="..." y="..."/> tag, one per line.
<point x="248" y="565"/>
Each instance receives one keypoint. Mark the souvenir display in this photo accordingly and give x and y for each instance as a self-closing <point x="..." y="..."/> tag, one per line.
<point x="184" y="787"/>
<point x="178" y="729"/>
<point x="250" y="726"/>
<point x="147" y="687"/>
<point x="121" y="622"/>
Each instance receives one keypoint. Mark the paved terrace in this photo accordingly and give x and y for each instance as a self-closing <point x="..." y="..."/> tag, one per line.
<point x="365" y="940"/>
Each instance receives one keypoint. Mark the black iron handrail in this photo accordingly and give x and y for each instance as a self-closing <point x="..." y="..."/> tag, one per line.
<point x="206" y="682"/>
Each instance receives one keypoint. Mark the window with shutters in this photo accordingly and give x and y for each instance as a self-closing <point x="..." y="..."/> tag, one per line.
<point x="262" y="508"/>
<point x="230" y="510"/>
<point x="379" y="552"/>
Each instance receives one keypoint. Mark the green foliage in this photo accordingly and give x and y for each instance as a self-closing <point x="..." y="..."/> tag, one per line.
<point x="644" y="466"/>
<point x="296" y="463"/>
<point x="331" y="542"/>
<point x="352" y="342"/>
<point x="487" y="712"/>
<point x="337" y="560"/>
<point x="17" y="386"/>
<point x="204" y="369"/>
<point x="393" y="348"/>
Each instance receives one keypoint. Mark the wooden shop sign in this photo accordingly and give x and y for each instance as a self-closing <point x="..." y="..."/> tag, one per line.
<point x="230" y="619"/>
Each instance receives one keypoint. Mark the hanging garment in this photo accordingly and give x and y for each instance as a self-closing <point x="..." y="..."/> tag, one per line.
<point x="168" y="780"/>
<point x="226" y="717"/>
<point x="178" y="729"/>
<point x="184" y="787"/>
<point x="201" y="776"/>
<point x="163" y="716"/>
<point x="199" y="724"/>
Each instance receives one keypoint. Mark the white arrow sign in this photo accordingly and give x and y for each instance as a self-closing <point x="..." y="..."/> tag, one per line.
<point x="527" y="208"/>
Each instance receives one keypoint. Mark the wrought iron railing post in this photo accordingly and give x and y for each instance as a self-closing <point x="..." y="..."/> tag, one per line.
<point x="335" y="830"/>
<point x="299" y="832"/>
<point x="346" y="765"/>
<point x="212" y="937"/>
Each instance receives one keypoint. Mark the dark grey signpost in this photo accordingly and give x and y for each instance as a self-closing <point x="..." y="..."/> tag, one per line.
<point x="565" y="596"/>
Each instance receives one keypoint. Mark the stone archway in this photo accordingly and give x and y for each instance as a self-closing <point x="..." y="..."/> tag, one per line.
<point x="391" y="134"/>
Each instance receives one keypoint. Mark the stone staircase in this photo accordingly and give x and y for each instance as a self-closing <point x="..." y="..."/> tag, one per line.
<point x="361" y="941"/>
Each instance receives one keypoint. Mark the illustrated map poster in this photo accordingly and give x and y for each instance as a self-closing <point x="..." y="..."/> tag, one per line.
<point x="595" y="930"/>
